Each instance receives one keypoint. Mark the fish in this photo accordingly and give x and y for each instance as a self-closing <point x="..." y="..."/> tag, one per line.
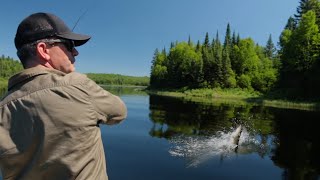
<point x="235" y="136"/>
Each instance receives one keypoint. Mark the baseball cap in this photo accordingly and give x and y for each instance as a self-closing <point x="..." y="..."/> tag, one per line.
<point x="45" y="25"/>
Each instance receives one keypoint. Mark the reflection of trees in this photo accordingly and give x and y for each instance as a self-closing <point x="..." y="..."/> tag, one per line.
<point x="171" y="116"/>
<point x="198" y="132"/>
<point x="292" y="134"/>
<point x="298" y="144"/>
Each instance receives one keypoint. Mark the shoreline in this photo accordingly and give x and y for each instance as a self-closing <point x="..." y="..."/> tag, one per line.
<point x="221" y="98"/>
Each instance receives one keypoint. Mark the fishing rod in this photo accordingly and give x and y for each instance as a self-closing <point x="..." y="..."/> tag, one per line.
<point x="84" y="13"/>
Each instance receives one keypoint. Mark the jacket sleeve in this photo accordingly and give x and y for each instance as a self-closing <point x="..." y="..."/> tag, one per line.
<point x="110" y="108"/>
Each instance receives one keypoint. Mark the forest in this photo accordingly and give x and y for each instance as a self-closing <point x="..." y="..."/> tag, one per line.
<point x="292" y="69"/>
<point x="117" y="79"/>
<point x="9" y="66"/>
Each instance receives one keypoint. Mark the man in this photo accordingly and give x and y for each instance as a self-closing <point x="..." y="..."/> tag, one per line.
<point x="49" y="119"/>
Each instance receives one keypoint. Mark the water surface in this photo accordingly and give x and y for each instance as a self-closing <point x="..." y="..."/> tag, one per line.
<point x="169" y="138"/>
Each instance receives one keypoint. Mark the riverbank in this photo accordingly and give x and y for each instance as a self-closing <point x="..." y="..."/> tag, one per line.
<point x="238" y="97"/>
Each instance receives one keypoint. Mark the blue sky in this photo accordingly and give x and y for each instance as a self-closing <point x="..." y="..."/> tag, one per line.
<point x="125" y="33"/>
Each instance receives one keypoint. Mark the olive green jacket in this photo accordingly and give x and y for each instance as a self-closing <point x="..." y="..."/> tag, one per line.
<point x="49" y="126"/>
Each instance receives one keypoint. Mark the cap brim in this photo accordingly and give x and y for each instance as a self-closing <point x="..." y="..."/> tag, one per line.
<point x="78" y="39"/>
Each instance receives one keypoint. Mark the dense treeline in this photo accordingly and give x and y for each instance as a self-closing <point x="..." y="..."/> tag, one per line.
<point x="300" y="52"/>
<point x="9" y="66"/>
<point x="241" y="63"/>
<point x="117" y="79"/>
<point x="235" y="63"/>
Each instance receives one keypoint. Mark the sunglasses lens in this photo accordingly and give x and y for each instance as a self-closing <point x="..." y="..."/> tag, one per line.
<point x="69" y="45"/>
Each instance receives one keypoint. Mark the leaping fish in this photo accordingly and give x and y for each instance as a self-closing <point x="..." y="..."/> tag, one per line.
<point x="235" y="136"/>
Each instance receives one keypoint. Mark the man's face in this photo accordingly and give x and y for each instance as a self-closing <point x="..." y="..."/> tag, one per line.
<point x="63" y="57"/>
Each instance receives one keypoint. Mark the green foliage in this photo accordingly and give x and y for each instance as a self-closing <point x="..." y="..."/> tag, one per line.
<point x="9" y="66"/>
<point x="305" y="6"/>
<point x="244" y="81"/>
<point x="186" y="65"/>
<point x="215" y="65"/>
<point x="159" y="70"/>
<point x="3" y="85"/>
<point x="241" y="63"/>
<point x="117" y="79"/>
<point x="300" y="52"/>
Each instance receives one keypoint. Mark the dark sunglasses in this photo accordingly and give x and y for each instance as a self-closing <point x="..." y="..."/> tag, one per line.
<point x="69" y="44"/>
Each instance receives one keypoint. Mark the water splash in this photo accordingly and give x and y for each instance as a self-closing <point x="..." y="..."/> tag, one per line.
<point x="198" y="149"/>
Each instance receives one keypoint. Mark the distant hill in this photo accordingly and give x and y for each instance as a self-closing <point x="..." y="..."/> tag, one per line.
<point x="117" y="79"/>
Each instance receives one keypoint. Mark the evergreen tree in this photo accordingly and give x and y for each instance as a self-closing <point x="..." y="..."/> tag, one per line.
<point x="189" y="41"/>
<point x="227" y="39"/>
<point x="300" y="55"/>
<point x="164" y="52"/>
<point x="238" y="39"/>
<point x="302" y="48"/>
<point x="291" y="24"/>
<point x="270" y="49"/>
<point x="207" y="66"/>
<point x="228" y="76"/>
<point x="217" y="65"/>
<point x="305" y="6"/>
<point x="171" y="45"/>
<point x="206" y="43"/>
<point x="286" y="33"/>
<point x="234" y="39"/>
<point x="158" y="77"/>
<point x="198" y="46"/>
<point x="153" y="64"/>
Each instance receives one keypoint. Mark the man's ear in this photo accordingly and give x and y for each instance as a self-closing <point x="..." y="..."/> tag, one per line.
<point x="43" y="51"/>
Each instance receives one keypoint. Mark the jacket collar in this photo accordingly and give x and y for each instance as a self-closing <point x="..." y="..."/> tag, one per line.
<point x="29" y="73"/>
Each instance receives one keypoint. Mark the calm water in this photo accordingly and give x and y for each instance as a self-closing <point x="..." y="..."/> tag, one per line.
<point x="167" y="138"/>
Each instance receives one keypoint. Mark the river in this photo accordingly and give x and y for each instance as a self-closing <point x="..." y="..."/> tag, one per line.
<point x="169" y="138"/>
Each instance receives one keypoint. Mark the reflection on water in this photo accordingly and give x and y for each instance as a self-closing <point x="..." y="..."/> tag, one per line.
<point x="199" y="133"/>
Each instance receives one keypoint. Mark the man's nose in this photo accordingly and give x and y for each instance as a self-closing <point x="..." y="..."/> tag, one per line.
<point x="75" y="52"/>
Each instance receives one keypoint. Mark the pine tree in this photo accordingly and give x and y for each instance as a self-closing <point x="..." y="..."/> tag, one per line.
<point x="198" y="46"/>
<point x="238" y="39"/>
<point x="305" y="6"/>
<point x="234" y="39"/>
<point x="171" y="45"/>
<point x="228" y="76"/>
<point x="189" y="41"/>
<point x="154" y="59"/>
<point x="206" y="43"/>
<point x="270" y="49"/>
<point x="164" y="52"/>
<point x="291" y="24"/>
<point x="217" y="68"/>
<point x="227" y="39"/>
